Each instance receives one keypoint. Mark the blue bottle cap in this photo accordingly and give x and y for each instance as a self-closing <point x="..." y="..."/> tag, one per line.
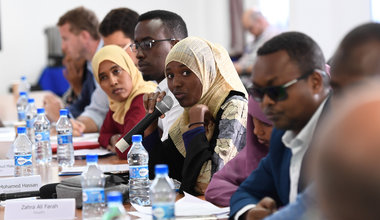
<point x="40" y="110"/>
<point x="23" y="77"/>
<point x="21" y="130"/>
<point x="91" y="158"/>
<point x="63" y="112"/>
<point x="161" y="169"/>
<point x="136" y="138"/>
<point x="22" y="93"/>
<point x="114" y="196"/>
<point x="31" y="100"/>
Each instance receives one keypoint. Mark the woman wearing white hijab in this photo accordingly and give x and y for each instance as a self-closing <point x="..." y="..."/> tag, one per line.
<point x="211" y="129"/>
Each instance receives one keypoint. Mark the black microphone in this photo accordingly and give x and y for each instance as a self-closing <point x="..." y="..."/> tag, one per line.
<point x="47" y="191"/>
<point x="161" y="107"/>
<point x="17" y="195"/>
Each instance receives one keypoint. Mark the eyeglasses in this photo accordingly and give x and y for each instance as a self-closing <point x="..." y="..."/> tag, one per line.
<point x="146" y="44"/>
<point x="277" y="93"/>
<point x="128" y="45"/>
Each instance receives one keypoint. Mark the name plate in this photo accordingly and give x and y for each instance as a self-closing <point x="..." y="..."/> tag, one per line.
<point x="20" y="184"/>
<point x="7" y="167"/>
<point x="40" y="209"/>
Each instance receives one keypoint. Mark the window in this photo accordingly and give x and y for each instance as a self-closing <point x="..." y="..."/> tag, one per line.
<point x="375" y="10"/>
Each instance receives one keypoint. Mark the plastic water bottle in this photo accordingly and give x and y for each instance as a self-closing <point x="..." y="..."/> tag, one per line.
<point x="138" y="173"/>
<point x="162" y="194"/>
<point x="24" y="86"/>
<point x="115" y="208"/>
<point x="42" y="134"/>
<point x="93" y="181"/>
<point x="31" y="114"/>
<point x="22" y="102"/>
<point x="65" y="150"/>
<point x="22" y="148"/>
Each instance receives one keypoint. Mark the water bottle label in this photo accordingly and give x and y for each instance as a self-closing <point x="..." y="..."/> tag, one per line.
<point x="138" y="171"/>
<point x="21" y="115"/>
<point x="29" y="123"/>
<point x="65" y="139"/>
<point x="43" y="136"/>
<point x="93" y="195"/>
<point x="23" y="160"/>
<point x="163" y="211"/>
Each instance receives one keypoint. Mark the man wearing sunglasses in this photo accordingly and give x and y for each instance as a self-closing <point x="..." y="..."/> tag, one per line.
<point x="290" y="82"/>
<point x="355" y="61"/>
<point x="155" y="34"/>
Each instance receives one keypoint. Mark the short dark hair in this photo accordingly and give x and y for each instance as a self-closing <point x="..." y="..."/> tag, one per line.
<point x="81" y="19"/>
<point x="174" y="23"/>
<point x="300" y="48"/>
<point x="119" y="19"/>
<point x="364" y="34"/>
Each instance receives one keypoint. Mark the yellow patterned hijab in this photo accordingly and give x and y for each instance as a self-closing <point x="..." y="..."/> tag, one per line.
<point x="117" y="55"/>
<point x="214" y="68"/>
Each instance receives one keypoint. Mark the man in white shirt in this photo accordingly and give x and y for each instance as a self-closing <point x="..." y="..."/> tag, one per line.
<point x="116" y="28"/>
<point x="155" y="34"/>
<point x="289" y="80"/>
<point x="80" y="40"/>
<point x="355" y="61"/>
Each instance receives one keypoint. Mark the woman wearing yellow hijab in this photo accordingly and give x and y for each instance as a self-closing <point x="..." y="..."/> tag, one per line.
<point x="212" y="127"/>
<point x="117" y="75"/>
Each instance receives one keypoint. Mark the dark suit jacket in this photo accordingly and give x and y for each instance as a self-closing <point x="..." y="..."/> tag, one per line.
<point x="84" y="98"/>
<point x="272" y="176"/>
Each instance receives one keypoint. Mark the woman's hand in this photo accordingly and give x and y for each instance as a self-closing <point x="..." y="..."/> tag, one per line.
<point x="52" y="104"/>
<point x="200" y="113"/>
<point x="150" y="100"/>
<point x="113" y="141"/>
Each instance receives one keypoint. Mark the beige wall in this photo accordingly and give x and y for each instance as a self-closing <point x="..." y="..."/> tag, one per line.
<point x="23" y="21"/>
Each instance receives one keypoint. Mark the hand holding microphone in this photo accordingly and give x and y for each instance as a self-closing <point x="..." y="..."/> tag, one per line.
<point x="151" y="99"/>
<point x="163" y="105"/>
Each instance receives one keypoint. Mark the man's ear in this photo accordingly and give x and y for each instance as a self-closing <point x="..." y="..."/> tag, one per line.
<point x="173" y="42"/>
<point x="316" y="80"/>
<point x="84" y="35"/>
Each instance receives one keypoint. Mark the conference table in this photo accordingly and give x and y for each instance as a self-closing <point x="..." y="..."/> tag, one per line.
<point x="50" y="172"/>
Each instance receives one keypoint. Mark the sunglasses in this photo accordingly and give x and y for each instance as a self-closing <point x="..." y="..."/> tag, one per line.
<point x="277" y="93"/>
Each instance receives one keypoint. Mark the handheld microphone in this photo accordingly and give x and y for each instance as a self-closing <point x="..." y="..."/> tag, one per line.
<point x="47" y="191"/>
<point x="17" y="195"/>
<point x="161" y="107"/>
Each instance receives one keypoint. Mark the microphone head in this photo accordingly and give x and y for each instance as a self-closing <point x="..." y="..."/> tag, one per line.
<point x="165" y="105"/>
<point x="48" y="191"/>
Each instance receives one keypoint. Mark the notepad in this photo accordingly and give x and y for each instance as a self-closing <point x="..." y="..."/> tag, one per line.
<point x="189" y="207"/>
<point x="87" y="141"/>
